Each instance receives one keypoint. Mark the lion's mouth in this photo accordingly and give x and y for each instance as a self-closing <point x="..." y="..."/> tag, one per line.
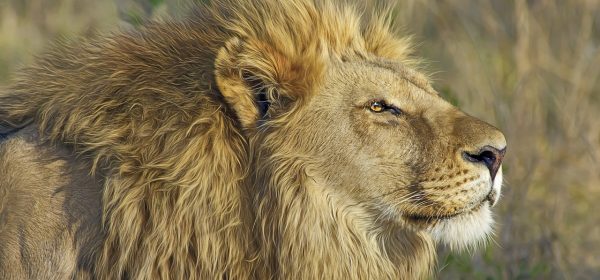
<point x="419" y="219"/>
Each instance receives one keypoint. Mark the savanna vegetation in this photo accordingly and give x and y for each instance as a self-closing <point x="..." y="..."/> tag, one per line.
<point x="532" y="68"/>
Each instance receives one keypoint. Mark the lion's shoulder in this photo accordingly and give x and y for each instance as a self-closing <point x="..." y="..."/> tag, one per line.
<point x="45" y="194"/>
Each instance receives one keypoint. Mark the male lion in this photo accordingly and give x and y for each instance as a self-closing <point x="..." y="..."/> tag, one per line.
<point x="253" y="140"/>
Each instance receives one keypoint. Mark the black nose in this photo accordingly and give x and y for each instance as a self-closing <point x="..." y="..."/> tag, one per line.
<point x="488" y="155"/>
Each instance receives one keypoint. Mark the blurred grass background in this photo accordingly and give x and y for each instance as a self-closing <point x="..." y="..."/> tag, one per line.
<point x="529" y="67"/>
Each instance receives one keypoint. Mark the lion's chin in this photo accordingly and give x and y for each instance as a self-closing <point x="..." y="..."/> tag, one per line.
<point x="466" y="230"/>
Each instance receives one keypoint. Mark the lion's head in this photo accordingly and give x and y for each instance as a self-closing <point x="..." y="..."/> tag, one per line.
<point x="365" y="126"/>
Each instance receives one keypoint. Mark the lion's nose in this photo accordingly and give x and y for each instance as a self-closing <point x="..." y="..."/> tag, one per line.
<point x="488" y="155"/>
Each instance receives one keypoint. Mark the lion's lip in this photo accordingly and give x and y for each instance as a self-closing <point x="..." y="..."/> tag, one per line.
<point x="492" y="197"/>
<point x="426" y="218"/>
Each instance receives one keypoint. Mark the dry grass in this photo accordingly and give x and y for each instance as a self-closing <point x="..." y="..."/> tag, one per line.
<point x="530" y="67"/>
<point x="27" y="25"/>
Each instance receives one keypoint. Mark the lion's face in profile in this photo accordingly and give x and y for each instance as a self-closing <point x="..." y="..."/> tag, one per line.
<point x="378" y="136"/>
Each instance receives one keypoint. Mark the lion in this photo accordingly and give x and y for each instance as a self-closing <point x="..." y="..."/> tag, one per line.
<point x="251" y="140"/>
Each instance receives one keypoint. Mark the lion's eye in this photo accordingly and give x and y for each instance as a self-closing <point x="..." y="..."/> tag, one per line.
<point x="377" y="106"/>
<point x="380" y="106"/>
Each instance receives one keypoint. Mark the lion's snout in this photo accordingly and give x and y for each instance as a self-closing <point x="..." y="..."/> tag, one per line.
<point x="483" y="145"/>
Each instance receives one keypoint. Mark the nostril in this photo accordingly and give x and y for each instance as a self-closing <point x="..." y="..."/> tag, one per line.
<point x="488" y="157"/>
<point x="491" y="157"/>
<point x="485" y="157"/>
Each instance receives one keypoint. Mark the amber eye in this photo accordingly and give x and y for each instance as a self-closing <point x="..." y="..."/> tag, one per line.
<point x="377" y="106"/>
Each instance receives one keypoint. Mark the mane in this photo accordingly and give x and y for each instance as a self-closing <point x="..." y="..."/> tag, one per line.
<point x="301" y="35"/>
<point x="184" y="196"/>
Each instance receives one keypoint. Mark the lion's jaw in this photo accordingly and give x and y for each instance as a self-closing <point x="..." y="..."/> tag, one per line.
<point x="342" y="231"/>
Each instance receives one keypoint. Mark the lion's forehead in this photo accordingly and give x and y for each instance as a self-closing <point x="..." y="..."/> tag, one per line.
<point x="371" y="79"/>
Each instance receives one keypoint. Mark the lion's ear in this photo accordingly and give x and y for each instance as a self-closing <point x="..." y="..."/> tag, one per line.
<point x="233" y="84"/>
<point x="257" y="79"/>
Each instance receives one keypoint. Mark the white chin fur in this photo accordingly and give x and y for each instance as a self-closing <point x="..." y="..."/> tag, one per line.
<point x="464" y="231"/>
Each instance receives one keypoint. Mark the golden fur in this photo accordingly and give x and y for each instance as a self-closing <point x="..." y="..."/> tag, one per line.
<point x="195" y="181"/>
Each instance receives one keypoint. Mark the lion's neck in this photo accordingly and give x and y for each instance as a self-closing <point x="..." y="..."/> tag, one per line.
<point x="317" y="234"/>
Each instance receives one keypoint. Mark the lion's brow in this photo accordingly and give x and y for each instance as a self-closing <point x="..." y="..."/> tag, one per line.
<point x="408" y="78"/>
